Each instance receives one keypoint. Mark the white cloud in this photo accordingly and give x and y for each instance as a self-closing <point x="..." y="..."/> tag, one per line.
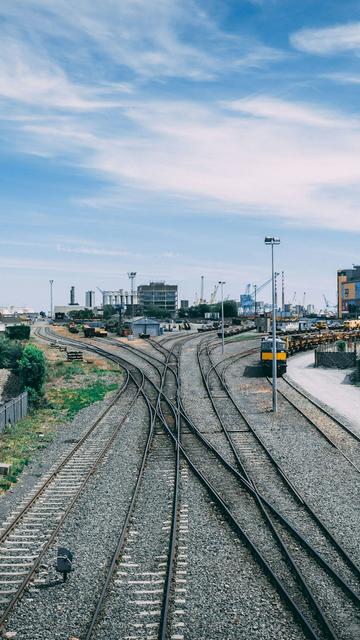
<point x="259" y="156"/>
<point x="331" y="40"/>
<point x="151" y="41"/>
<point x="285" y="111"/>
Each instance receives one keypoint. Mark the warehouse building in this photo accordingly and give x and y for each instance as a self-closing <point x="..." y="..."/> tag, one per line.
<point x="145" y="326"/>
<point x="159" y="295"/>
<point x="348" y="291"/>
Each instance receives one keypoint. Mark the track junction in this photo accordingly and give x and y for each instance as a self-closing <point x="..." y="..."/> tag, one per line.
<point x="206" y="477"/>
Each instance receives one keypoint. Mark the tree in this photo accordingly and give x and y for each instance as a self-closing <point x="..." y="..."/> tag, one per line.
<point x="82" y="314"/>
<point x="32" y="370"/>
<point x="108" y="311"/>
<point x="10" y="353"/>
<point x="17" y="332"/>
<point x="155" y="312"/>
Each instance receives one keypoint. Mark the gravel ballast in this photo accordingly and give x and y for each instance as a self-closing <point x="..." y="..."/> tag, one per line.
<point x="91" y="532"/>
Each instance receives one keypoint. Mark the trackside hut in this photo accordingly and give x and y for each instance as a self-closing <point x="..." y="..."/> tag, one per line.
<point x="147" y="326"/>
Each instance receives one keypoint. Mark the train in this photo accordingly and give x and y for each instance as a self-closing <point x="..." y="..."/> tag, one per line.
<point x="266" y="355"/>
<point x="351" y="324"/>
<point x="294" y="343"/>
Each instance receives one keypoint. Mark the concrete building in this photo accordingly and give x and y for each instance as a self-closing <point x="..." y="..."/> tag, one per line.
<point x="115" y="298"/>
<point x="348" y="292"/>
<point x="72" y="302"/>
<point x="158" y="294"/>
<point x="90" y="299"/>
<point x="184" y="304"/>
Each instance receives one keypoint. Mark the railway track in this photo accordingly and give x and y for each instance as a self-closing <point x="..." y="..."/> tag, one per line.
<point x="334" y="430"/>
<point x="325" y="625"/>
<point x="125" y="583"/>
<point x="319" y="625"/>
<point x="229" y="486"/>
<point x="26" y="537"/>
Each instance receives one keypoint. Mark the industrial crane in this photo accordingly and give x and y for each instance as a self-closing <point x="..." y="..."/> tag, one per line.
<point x="259" y="288"/>
<point x="213" y="295"/>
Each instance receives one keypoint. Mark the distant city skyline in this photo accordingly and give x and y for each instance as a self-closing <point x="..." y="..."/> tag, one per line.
<point x="169" y="138"/>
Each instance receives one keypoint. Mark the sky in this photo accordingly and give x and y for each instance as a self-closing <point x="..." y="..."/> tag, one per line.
<point x="169" y="137"/>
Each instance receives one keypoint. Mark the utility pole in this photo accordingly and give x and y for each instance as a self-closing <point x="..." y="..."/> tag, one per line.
<point x="132" y="276"/>
<point x="51" y="297"/>
<point x="282" y="291"/>
<point x="255" y="292"/>
<point x="202" y="290"/>
<point x="272" y="241"/>
<point x="222" y="316"/>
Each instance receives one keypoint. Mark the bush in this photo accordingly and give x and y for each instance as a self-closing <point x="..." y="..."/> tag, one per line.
<point x="32" y="370"/>
<point x="17" y="332"/>
<point x="10" y="354"/>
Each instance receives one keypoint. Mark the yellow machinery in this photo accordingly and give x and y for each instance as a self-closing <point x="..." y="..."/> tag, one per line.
<point x="266" y="355"/>
<point x="352" y="324"/>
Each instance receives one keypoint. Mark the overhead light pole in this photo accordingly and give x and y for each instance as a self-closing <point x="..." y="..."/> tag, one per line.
<point x="51" y="297"/>
<point x="271" y="240"/>
<point x="222" y="315"/>
<point x="132" y="276"/>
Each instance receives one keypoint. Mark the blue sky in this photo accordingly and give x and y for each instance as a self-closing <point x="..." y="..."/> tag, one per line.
<point x="169" y="137"/>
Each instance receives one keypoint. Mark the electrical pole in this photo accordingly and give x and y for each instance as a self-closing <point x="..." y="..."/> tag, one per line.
<point x="132" y="276"/>
<point x="51" y="297"/>
<point x="271" y="241"/>
<point x="222" y="316"/>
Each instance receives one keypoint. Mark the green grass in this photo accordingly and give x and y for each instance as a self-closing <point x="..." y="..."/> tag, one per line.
<point x="19" y="442"/>
<point x="70" y="401"/>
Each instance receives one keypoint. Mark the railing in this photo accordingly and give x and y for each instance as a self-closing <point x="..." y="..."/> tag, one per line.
<point x="13" y="411"/>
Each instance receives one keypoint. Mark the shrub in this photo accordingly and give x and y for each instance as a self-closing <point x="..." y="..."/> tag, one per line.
<point x="10" y="354"/>
<point x="32" y="370"/>
<point x="17" y="332"/>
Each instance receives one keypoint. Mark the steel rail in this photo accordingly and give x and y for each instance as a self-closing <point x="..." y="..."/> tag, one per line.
<point x="242" y="479"/>
<point x="304" y="587"/>
<point x="318" y="520"/>
<point x="32" y="570"/>
<point x="154" y="411"/>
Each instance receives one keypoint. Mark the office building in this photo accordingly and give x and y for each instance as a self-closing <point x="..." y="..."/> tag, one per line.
<point x="184" y="304"/>
<point x="348" y="292"/>
<point x="158" y="294"/>
<point x="90" y="299"/>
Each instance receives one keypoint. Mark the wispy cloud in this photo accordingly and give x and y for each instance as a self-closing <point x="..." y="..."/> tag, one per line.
<point x="330" y="40"/>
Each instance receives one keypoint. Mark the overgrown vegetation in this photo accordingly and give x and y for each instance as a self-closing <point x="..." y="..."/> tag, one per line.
<point x="61" y="389"/>
<point x="17" y="332"/>
<point x="10" y="354"/>
<point x="32" y="371"/>
<point x="71" y="402"/>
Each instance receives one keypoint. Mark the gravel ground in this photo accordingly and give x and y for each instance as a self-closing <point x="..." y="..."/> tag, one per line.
<point x="133" y="607"/>
<point x="91" y="532"/>
<point x="271" y="485"/>
<point x="227" y="594"/>
<point x="331" y="386"/>
<point x="46" y="459"/>
<point x="322" y="475"/>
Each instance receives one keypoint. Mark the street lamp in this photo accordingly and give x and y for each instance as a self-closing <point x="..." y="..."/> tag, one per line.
<point x="272" y="241"/>
<point x="51" y="297"/>
<point x="222" y="315"/>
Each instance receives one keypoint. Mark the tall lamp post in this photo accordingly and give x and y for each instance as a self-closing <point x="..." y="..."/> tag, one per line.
<point x="51" y="297"/>
<point x="222" y="315"/>
<point x="272" y="241"/>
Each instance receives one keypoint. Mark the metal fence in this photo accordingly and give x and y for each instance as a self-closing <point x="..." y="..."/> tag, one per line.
<point x="13" y="411"/>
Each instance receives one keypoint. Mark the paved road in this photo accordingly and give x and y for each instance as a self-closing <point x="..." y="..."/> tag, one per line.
<point x="328" y="385"/>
